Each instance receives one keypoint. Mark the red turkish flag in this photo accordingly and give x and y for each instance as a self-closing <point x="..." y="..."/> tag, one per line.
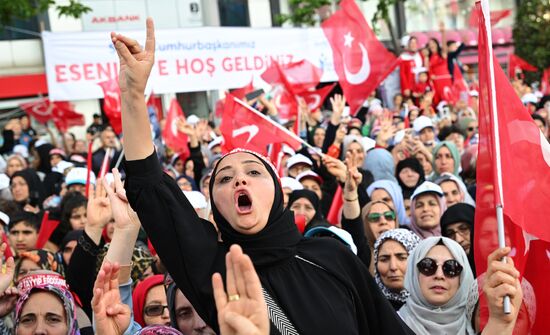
<point x="315" y="99"/>
<point x="545" y="82"/>
<point x="522" y="155"/>
<point x="286" y="103"/>
<point x="360" y="60"/>
<point x="517" y="64"/>
<point x="243" y="128"/>
<point x="241" y="92"/>
<point x="296" y="77"/>
<point x="112" y="103"/>
<point x="173" y="138"/>
<point x="46" y="229"/>
<point x="64" y="116"/>
<point x="40" y="110"/>
<point x="496" y="16"/>
<point x="460" y="87"/>
<point x="62" y="113"/>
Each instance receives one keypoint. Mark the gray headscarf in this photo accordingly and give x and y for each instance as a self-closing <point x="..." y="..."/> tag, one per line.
<point x="409" y="241"/>
<point x="451" y="318"/>
<point x="380" y="163"/>
<point x="446" y="176"/>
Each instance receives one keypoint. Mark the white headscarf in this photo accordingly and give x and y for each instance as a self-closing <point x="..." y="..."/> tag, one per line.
<point x="451" y="318"/>
<point x="445" y="176"/>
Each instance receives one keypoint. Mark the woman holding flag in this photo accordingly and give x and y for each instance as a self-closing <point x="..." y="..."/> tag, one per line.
<point x="312" y="286"/>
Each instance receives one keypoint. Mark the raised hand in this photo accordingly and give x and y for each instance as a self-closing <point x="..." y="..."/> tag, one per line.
<point x="8" y="300"/>
<point x="135" y="62"/>
<point x="502" y="279"/>
<point x="98" y="211"/>
<point x="112" y="317"/>
<point x="242" y="309"/>
<point x="335" y="167"/>
<point x="387" y="130"/>
<point x="125" y="217"/>
<point x="353" y="176"/>
<point x="338" y="103"/>
<point x="6" y="277"/>
<point x="184" y="127"/>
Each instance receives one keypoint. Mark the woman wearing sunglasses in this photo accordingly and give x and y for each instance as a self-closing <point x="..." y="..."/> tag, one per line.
<point x="150" y="303"/>
<point x="443" y="291"/>
<point x="378" y="217"/>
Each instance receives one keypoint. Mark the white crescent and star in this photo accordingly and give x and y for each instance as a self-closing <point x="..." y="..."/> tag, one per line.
<point x="316" y="101"/>
<point x="360" y="76"/>
<point x="252" y="131"/>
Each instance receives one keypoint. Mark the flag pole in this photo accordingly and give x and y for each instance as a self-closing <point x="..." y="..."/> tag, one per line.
<point x="499" y="200"/>
<point x="286" y="131"/>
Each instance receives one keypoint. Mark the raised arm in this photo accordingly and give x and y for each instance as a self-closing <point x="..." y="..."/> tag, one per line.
<point x="135" y="66"/>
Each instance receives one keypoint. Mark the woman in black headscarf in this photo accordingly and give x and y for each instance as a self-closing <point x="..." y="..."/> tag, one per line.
<point x="27" y="190"/>
<point x="306" y="202"/>
<point x="318" y="283"/>
<point x="409" y="174"/>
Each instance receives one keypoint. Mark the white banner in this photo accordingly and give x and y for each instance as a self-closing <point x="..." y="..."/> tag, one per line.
<point x="186" y="60"/>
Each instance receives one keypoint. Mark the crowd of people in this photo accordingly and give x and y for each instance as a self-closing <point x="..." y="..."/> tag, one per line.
<point x="216" y="242"/>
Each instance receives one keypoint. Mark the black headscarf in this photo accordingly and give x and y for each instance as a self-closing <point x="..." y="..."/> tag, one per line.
<point x="36" y="189"/>
<point x="44" y="154"/>
<point x="277" y="240"/>
<point x="461" y="212"/>
<point x="415" y="165"/>
<point x="317" y="219"/>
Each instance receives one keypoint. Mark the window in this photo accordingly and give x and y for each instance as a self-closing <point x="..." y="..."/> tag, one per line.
<point x="234" y="13"/>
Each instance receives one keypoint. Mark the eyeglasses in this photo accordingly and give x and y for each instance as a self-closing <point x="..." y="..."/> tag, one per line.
<point x="472" y="128"/>
<point x="428" y="267"/>
<point x="463" y="230"/>
<point x="154" y="310"/>
<point x="375" y="217"/>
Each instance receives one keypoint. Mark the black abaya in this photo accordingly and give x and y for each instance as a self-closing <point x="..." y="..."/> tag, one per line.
<point x="334" y="295"/>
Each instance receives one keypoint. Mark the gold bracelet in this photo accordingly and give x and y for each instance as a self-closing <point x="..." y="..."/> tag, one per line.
<point x="351" y="200"/>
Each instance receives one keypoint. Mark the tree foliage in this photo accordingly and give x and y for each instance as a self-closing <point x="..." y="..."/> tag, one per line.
<point x="26" y="9"/>
<point x="531" y="36"/>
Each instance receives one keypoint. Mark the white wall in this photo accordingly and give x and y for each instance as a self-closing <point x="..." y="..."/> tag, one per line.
<point x="259" y="12"/>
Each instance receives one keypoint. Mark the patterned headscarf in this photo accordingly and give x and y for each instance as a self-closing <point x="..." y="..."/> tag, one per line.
<point x="158" y="330"/>
<point x="141" y="260"/>
<point x="409" y="241"/>
<point x="43" y="258"/>
<point x="52" y="282"/>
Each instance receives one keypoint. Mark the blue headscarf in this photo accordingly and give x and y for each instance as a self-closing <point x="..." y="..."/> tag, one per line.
<point x="396" y="195"/>
<point x="380" y="163"/>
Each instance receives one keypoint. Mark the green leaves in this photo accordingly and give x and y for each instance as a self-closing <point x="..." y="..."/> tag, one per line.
<point x="531" y="36"/>
<point x="26" y="9"/>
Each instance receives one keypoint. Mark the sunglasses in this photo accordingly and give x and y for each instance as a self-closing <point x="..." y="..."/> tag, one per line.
<point x="375" y="217"/>
<point x="154" y="310"/>
<point x="428" y="267"/>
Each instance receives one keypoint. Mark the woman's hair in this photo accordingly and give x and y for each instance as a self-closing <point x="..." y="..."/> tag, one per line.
<point x="70" y="202"/>
<point x="439" y="50"/>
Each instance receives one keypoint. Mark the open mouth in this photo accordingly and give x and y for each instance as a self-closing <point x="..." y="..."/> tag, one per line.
<point x="244" y="203"/>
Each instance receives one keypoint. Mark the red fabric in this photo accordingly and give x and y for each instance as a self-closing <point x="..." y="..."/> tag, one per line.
<point x="525" y="165"/>
<point x="545" y="82"/>
<point x="140" y="294"/>
<point x="441" y="79"/>
<point x="496" y="16"/>
<point x="421" y="88"/>
<point x="156" y="103"/>
<point x="286" y="103"/>
<point x="296" y="77"/>
<point x="460" y="87"/>
<point x="112" y="103"/>
<point x="46" y="229"/>
<point x="23" y="85"/>
<point x="173" y="138"/>
<point x="315" y="99"/>
<point x="333" y="215"/>
<point x="518" y="64"/>
<point x="408" y="61"/>
<point x="88" y="167"/>
<point x="241" y="92"/>
<point x="8" y="253"/>
<point x="60" y="112"/>
<point x="242" y="128"/>
<point x="360" y="60"/>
